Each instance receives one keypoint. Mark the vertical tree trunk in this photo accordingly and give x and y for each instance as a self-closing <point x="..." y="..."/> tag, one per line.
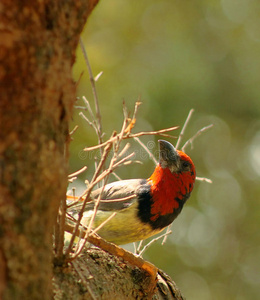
<point x="37" y="49"/>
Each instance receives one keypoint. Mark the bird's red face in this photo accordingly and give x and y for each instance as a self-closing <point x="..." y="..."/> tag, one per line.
<point x="171" y="182"/>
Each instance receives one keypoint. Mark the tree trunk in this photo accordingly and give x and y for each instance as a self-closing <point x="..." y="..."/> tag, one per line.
<point x="38" y="40"/>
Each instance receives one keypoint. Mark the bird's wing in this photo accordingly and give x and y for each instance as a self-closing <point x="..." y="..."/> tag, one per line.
<point x="116" y="196"/>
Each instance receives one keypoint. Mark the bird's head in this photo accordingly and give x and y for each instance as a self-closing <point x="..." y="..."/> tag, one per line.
<point x="175" y="160"/>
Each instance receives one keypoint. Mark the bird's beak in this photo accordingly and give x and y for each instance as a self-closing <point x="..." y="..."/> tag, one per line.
<point x="168" y="155"/>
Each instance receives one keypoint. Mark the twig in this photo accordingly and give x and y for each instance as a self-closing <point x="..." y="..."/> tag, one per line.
<point x="127" y="146"/>
<point x="147" y="150"/>
<point x="153" y="241"/>
<point x="133" y="119"/>
<point x="74" y="130"/>
<point x="98" y="76"/>
<point x="199" y="132"/>
<point x="92" y="124"/>
<point x="89" y="109"/>
<point x="59" y="230"/>
<point x="80" y="77"/>
<point x="139" y="247"/>
<point x="184" y="128"/>
<point x="78" y="172"/>
<point x="204" y="179"/>
<point x="72" y="179"/>
<point x="92" y="81"/>
<point x="158" y="132"/>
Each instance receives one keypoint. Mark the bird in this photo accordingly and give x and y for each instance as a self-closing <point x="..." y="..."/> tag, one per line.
<point x="144" y="207"/>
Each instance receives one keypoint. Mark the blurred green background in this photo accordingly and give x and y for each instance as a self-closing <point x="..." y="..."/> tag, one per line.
<point x="177" y="55"/>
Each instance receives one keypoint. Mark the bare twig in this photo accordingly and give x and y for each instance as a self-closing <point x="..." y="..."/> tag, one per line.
<point x="133" y="119"/>
<point x="80" y="76"/>
<point x="92" y="124"/>
<point x="116" y="176"/>
<point x="72" y="179"/>
<point x="138" y="249"/>
<point x="158" y="132"/>
<point x="153" y="241"/>
<point x="74" y="130"/>
<point x="98" y="76"/>
<point x="199" y="132"/>
<point x="127" y="146"/>
<point x="59" y="230"/>
<point x="147" y="150"/>
<point x="184" y="128"/>
<point x="204" y="179"/>
<point x="94" y="91"/>
<point x="78" y="172"/>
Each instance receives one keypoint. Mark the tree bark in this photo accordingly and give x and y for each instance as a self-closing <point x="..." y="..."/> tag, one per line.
<point x="38" y="40"/>
<point x="98" y="275"/>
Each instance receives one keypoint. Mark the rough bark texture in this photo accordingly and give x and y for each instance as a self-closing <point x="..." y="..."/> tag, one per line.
<point x="99" y="275"/>
<point x="38" y="40"/>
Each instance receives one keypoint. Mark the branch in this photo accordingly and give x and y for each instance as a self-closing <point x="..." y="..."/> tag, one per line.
<point x="158" y="132"/>
<point x="94" y="91"/>
<point x="118" y="251"/>
<point x="199" y="132"/>
<point x="184" y="128"/>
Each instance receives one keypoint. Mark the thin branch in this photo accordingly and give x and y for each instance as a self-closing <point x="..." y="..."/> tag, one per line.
<point x="184" y="128"/>
<point x="89" y="109"/>
<point x="133" y="119"/>
<point x="147" y="150"/>
<point x="139" y="247"/>
<point x="153" y="241"/>
<point x="127" y="146"/>
<point x="158" y="132"/>
<point x="116" y="176"/>
<point x="78" y="172"/>
<point x="78" y="81"/>
<point x="98" y="76"/>
<point x="60" y="229"/>
<point x="199" y="132"/>
<point x="204" y="179"/>
<point x="92" y="81"/>
<point x="74" y="130"/>
<point x="72" y="179"/>
<point x="92" y="124"/>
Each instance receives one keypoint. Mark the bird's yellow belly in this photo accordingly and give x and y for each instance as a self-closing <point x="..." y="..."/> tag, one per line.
<point x="123" y="228"/>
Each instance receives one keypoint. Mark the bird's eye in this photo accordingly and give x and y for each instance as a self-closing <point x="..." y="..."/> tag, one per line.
<point x="185" y="165"/>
